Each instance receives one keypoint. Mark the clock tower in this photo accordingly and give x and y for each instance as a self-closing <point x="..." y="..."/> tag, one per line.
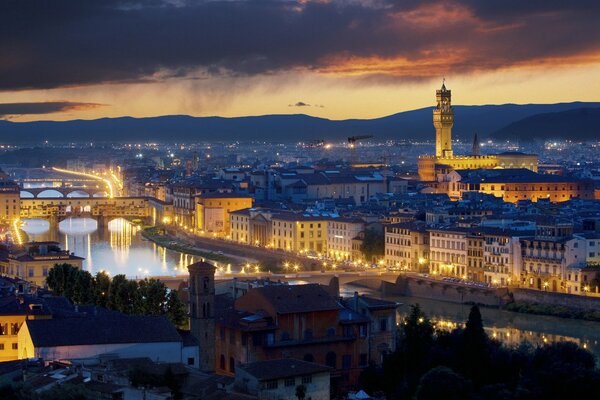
<point x="443" y="120"/>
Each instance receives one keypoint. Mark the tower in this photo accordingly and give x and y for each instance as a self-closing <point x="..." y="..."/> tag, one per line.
<point x="476" y="151"/>
<point x="443" y="120"/>
<point x="202" y="311"/>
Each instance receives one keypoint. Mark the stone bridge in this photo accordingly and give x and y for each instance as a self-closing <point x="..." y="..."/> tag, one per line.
<point x="100" y="208"/>
<point x="62" y="192"/>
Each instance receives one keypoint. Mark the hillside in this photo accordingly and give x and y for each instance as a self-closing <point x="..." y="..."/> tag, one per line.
<point x="415" y="124"/>
<point x="578" y="124"/>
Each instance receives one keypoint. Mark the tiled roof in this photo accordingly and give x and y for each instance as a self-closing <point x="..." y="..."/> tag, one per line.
<point x="283" y="368"/>
<point x="101" y="329"/>
<point x="287" y="299"/>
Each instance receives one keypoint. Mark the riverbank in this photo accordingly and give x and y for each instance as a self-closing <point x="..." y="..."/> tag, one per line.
<point x="525" y="307"/>
<point x="159" y="236"/>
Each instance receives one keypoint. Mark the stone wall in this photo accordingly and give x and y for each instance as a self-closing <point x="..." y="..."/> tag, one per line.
<point x="557" y="299"/>
<point x="444" y="291"/>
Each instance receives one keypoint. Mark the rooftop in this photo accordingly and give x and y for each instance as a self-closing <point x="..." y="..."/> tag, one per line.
<point x="283" y="368"/>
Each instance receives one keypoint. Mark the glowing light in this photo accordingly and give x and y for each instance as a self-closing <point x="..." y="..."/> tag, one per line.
<point x="108" y="183"/>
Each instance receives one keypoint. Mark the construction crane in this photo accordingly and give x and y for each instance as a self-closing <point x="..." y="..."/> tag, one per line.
<point x="352" y="144"/>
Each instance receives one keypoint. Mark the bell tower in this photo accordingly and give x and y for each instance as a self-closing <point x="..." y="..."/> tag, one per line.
<point x="443" y="120"/>
<point x="202" y="311"/>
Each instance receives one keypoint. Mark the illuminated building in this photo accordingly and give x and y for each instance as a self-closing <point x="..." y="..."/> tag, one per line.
<point x="444" y="159"/>
<point x="213" y="209"/>
<point x="407" y="246"/>
<point x="448" y="251"/>
<point x="10" y="206"/>
<point x="340" y="232"/>
<point x="513" y="185"/>
<point x="34" y="261"/>
<point x="298" y="232"/>
<point x="549" y="256"/>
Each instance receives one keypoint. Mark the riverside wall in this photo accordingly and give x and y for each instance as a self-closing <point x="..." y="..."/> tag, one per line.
<point x="437" y="290"/>
<point x="556" y="299"/>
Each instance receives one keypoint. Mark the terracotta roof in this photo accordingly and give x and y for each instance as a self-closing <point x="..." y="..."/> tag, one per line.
<point x="101" y="329"/>
<point x="283" y="368"/>
<point x="288" y="299"/>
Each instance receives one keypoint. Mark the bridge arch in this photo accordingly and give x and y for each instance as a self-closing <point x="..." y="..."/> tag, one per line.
<point x="26" y="194"/>
<point x="100" y="194"/>
<point x="50" y="194"/>
<point x="78" y="193"/>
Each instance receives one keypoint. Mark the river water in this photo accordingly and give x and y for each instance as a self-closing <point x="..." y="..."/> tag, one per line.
<point x="118" y="248"/>
<point x="509" y="327"/>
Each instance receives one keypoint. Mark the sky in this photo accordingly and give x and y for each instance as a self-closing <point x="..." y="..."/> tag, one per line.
<point x="87" y="59"/>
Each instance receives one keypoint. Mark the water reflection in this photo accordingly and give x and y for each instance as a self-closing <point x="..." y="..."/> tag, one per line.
<point x="117" y="248"/>
<point x="508" y="327"/>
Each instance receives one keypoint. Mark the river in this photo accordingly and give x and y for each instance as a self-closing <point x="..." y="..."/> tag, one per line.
<point x="510" y="328"/>
<point x="118" y="248"/>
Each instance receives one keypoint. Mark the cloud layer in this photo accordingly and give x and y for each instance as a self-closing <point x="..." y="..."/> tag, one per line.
<point x="9" y="110"/>
<point x="67" y="43"/>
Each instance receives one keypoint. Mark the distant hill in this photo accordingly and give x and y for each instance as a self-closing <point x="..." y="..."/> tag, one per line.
<point x="578" y="124"/>
<point x="415" y="124"/>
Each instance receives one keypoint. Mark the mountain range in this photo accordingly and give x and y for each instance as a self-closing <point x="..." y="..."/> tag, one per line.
<point x="523" y="122"/>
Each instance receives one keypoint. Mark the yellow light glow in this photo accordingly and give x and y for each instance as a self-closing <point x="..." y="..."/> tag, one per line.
<point x="108" y="183"/>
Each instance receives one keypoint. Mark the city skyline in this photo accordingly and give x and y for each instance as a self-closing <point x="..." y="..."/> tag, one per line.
<point x="330" y="59"/>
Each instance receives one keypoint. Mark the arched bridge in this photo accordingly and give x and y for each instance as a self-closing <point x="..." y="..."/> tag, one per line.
<point x="63" y="192"/>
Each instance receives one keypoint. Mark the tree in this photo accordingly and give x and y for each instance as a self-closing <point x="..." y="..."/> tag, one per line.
<point x="418" y="331"/>
<point x="176" y="309"/>
<point x="474" y="332"/>
<point x="300" y="392"/>
<point x="61" y="278"/>
<point x="151" y="297"/>
<point x="474" y="351"/>
<point x="442" y="383"/>
<point x="373" y="245"/>
<point x="82" y="289"/>
<point x="101" y="289"/>
<point x="123" y="295"/>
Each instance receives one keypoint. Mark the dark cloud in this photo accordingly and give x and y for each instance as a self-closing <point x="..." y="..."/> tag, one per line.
<point x="70" y="43"/>
<point x="8" y="110"/>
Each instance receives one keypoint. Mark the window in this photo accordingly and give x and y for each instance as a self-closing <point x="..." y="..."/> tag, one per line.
<point x="285" y="336"/>
<point x="383" y="324"/>
<point x="308" y="334"/>
<point x="330" y="332"/>
<point x="331" y="359"/>
<point x="270" y="338"/>
<point x="190" y="361"/>
<point x="31" y="272"/>
<point x="1" y="346"/>
<point x="363" y="360"/>
<point x="363" y="330"/>
<point x="257" y="339"/>
<point x="289" y="382"/>
<point x="307" y="379"/>
<point x="271" y="384"/>
<point x="346" y="361"/>
<point x="231" y="364"/>
<point x="222" y="362"/>
<point x="348" y="331"/>
<point x="15" y="346"/>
